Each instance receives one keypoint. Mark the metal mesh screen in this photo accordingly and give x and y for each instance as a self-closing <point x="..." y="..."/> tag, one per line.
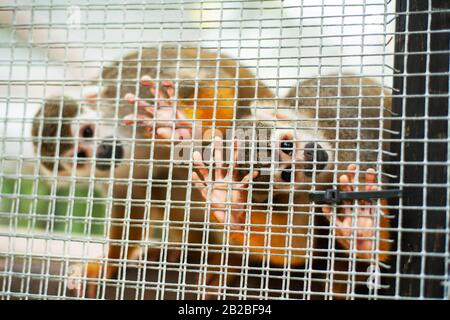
<point x="224" y="149"/>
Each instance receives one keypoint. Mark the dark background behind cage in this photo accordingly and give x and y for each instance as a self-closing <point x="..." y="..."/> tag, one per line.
<point x="421" y="102"/>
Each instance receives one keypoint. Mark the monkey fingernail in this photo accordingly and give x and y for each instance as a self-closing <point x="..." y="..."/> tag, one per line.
<point x="326" y="210"/>
<point x="146" y="81"/>
<point x="129" y="119"/>
<point x="131" y="98"/>
<point x="126" y="121"/>
<point x="135" y="118"/>
<point x="164" y="133"/>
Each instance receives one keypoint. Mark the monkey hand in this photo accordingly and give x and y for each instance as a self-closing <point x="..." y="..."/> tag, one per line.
<point x="226" y="193"/>
<point x="162" y="119"/>
<point x="85" y="277"/>
<point x="360" y="230"/>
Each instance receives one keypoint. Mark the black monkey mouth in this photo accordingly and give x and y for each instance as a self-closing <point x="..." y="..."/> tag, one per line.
<point x="316" y="159"/>
<point x="109" y="154"/>
<point x="105" y="165"/>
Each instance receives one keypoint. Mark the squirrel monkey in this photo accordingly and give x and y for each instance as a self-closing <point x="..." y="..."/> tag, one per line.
<point x="310" y="141"/>
<point x="323" y="126"/>
<point x="90" y="138"/>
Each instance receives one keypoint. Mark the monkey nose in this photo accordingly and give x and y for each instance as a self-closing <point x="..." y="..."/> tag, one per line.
<point x="321" y="157"/>
<point x="311" y="148"/>
<point x="286" y="175"/>
<point x="81" y="154"/>
<point x="107" y="152"/>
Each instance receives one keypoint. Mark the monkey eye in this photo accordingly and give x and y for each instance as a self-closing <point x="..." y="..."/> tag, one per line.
<point x="87" y="132"/>
<point x="287" y="147"/>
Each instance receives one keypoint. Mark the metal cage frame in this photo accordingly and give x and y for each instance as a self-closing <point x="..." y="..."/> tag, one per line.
<point x="419" y="164"/>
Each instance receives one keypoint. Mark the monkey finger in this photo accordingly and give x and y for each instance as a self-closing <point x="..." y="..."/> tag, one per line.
<point x="165" y="121"/>
<point x="164" y="133"/>
<point x="236" y="145"/>
<point x="246" y="180"/>
<point x="351" y="168"/>
<point x="157" y="92"/>
<point x="169" y="87"/>
<point x="345" y="226"/>
<point x="164" y="93"/>
<point x="365" y="227"/>
<point x="136" y="118"/>
<point x="282" y="116"/>
<point x="370" y="180"/>
<point x="365" y="211"/>
<point x="347" y="211"/>
<point x="327" y="210"/>
<point x="164" y="130"/>
<point x="365" y="234"/>
<point x="220" y="215"/>
<point x="199" y="165"/>
<point x="372" y="187"/>
<point x="371" y="176"/>
<point x="345" y="183"/>
<point x="131" y="98"/>
<point x="369" y="185"/>
<point x="218" y="158"/>
<point x="339" y="224"/>
<point x="235" y="163"/>
<point x="200" y="184"/>
<point x="146" y="80"/>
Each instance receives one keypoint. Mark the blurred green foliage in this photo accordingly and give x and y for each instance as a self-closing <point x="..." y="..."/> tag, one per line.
<point x="30" y="204"/>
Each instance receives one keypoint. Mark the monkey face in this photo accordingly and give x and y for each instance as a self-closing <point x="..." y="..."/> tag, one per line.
<point x="95" y="150"/>
<point x="286" y="159"/>
<point x="301" y="159"/>
<point x="76" y="139"/>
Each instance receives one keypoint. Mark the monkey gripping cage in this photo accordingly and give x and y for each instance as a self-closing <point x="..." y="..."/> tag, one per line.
<point x="57" y="221"/>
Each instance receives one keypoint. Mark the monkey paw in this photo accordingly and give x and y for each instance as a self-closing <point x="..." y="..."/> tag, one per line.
<point x="163" y="117"/>
<point x="358" y="231"/>
<point x="74" y="275"/>
<point x="225" y="188"/>
<point x="81" y="277"/>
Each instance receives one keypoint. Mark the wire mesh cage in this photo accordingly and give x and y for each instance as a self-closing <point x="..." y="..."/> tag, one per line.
<point x="224" y="149"/>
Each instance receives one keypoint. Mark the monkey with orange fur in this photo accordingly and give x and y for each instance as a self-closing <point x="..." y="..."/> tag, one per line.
<point x="312" y="139"/>
<point x="84" y="138"/>
<point x="308" y="139"/>
<point x="220" y="103"/>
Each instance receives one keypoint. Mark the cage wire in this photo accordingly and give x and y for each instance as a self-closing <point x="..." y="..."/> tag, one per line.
<point x="114" y="185"/>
